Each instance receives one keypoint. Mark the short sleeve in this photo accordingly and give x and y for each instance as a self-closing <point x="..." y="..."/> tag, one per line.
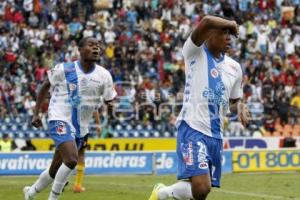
<point x="190" y="49"/>
<point x="56" y="75"/>
<point x="109" y="90"/>
<point x="237" y="89"/>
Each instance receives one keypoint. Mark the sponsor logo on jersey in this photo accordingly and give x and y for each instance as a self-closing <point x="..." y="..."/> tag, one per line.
<point x="192" y="62"/>
<point x="216" y="95"/>
<point x="96" y="81"/>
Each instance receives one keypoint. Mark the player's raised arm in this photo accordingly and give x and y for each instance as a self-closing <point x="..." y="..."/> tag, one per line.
<point x="41" y="95"/>
<point x="208" y="24"/>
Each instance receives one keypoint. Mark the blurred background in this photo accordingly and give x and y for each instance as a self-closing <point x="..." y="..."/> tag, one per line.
<point x="142" y="41"/>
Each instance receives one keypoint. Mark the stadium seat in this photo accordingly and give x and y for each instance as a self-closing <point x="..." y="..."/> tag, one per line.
<point x="7" y="120"/>
<point x="20" y="135"/>
<point x="287" y="130"/>
<point x="167" y="134"/>
<point x="146" y="133"/>
<point x="296" y="127"/>
<point x="135" y="134"/>
<point x="267" y="134"/>
<point x="175" y="133"/>
<point x="158" y="127"/>
<point x="295" y="133"/>
<point x="24" y="127"/>
<point x="13" y="128"/>
<point x="115" y="134"/>
<point x="139" y="127"/>
<point x="3" y="127"/>
<point x="149" y="127"/>
<point x="278" y="127"/>
<point x="118" y="127"/>
<point x="128" y="127"/>
<point x="156" y="134"/>
<point x="277" y="134"/>
<point x="31" y="134"/>
<point x="18" y="120"/>
<point x="125" y="134"/>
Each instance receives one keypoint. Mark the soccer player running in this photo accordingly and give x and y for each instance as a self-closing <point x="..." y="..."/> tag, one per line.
<point x="77" y="90"/>
<point x="213" y="85"/>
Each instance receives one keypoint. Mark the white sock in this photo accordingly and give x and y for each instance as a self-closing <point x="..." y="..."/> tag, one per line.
<point x="43" y="181"/>
<point x="181" y="190"/>
<point x="60" y="180"/>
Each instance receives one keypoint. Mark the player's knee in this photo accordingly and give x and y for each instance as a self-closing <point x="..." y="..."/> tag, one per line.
<point x="71" y="162"/>
<point x="201" y="192"/>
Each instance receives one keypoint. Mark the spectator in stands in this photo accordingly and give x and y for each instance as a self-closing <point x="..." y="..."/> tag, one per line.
<point x="6" y="144"/>
<point x="295" y="102"/>
<point x="144" y="38"/>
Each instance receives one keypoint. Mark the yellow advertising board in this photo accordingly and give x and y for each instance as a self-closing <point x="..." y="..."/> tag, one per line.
<point x="254" y="161"/>
<point x="133" y="144"/>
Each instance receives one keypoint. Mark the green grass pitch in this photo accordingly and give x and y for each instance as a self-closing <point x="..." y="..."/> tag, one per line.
<point x="285" y="186"/>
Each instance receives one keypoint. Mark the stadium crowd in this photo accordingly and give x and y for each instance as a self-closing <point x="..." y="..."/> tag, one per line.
<point x="142" y="42"/>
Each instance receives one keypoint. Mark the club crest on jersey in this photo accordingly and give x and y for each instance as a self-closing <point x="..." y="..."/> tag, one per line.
<point x="203" y="165"/>
<point x="61" y="128"/>
<point x="214" y="73"/>
<point x="72" y="86"/>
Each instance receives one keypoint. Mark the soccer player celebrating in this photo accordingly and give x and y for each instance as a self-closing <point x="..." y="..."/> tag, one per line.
<point x="213" y="85"/>
<point x="77" y="90"/>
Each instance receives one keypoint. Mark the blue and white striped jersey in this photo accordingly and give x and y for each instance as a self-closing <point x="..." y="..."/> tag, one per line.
<point x="210" y="83"/>
<point x="75" y="94"/>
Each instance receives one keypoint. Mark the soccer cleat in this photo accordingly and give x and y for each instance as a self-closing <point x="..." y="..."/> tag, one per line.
<point x="154" y="194"/>
<point x="26" y="195"/>
<point x="78" y="189"/>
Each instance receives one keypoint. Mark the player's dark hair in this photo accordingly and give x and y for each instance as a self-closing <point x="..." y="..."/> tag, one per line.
<point x="82" y="42"/>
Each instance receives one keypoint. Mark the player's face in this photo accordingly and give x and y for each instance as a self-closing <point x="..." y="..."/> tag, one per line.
<point x="221" y="40"/>
<point x="91" y="50"/>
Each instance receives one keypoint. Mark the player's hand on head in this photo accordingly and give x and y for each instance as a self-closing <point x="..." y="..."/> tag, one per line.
<point x="244" y="114"/>
<point x="36" y="121"/>
<point x="235" y="28"/>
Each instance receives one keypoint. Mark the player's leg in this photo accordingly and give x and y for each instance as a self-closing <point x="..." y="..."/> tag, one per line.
<point x="60" y="132"/>
<point x="45" y="178"/>
<point x="81" y="145"/>
<point x="197" y="188"/>
<point x="80" y="172"/>
<point x="68" y="152"/>
<point x="201" y="186"/>
<point x="193" y="164"/>
<point x="212" y="148"/>
<point x="181" y="190"/>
